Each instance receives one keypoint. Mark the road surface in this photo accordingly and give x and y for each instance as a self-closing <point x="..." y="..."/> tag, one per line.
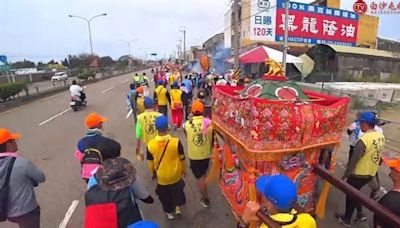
<point x="51" y="130"/>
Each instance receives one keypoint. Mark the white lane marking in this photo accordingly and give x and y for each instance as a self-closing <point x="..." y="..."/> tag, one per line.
<point x="55" y="116"/>
<point x="68" y="215"/>
<point x="25" y="105"/>
<point x="129" y="113"/>
<point x="105" y="91"/>
<point x="124" y="81"/>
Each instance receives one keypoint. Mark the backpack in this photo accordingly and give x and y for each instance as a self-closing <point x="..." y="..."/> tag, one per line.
<point x="91" y="160"/>
<point x="110" y="209"/>
<point x="4" y="191"/>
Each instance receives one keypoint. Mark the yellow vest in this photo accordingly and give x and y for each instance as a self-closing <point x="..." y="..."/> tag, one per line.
<point x="140" y="105"/>
<point x="139" y="78"/>
<point x="147" y="120"/>
<point x="176" y="95"/>
<point x="161" y="95"/>
<point x="171" y="79"/>
<point x="369" y="163"/>
<point x="170" y="169"/>
<point x="303" y="220"/>
<point x="199" y="145"/>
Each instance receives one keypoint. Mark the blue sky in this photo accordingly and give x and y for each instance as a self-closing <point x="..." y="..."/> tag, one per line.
<point x="41" y="29"/>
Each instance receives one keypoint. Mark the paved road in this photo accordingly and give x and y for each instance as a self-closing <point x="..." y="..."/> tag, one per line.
<point x="50" y="132"/>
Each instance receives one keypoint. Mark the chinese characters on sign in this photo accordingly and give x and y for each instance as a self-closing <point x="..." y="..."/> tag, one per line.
<point x="306" y="23"/>
<point x="317" y="25"/>
<point x="384" y="7"/>
<point x="264" y="20"/>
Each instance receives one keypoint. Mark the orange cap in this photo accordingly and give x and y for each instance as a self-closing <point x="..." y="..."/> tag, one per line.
<point x="140" y="89"/>
<point x="94" y="119"/>
<point x="392" y="163"/>
<point x="197" y="107"/>
<point x="6" y="135"/>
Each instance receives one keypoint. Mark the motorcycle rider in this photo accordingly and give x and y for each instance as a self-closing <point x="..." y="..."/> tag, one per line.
<point x="77" y="91"/>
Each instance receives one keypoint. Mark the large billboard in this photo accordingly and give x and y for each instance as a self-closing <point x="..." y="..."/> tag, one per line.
<point x="307" y="23"/>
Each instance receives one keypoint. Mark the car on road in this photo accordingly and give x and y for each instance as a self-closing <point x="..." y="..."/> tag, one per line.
<point x="59" y="76"/>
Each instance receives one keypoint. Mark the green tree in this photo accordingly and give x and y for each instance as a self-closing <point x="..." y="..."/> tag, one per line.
<point x="65" y="62"/>
<point x="106" y="61"/>
<point x="23" y="64"/>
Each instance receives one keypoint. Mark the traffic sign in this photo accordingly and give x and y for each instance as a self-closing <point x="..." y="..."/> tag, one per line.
<point x="3" y="60"/>
<point x="153" y="54"/>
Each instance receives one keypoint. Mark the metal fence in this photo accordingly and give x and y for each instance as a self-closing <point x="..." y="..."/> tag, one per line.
<point x="388" y="111"/>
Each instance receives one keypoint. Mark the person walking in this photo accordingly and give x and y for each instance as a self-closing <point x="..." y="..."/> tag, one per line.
<point x="18" y="176"/>
<point x="363" y="165"/>
<point x="199" y="136"/>
<point x="186" y="99"/>
<point x="162" y="97"/>
<point x="91" y="152"/>
<point x="391" y="199"/>
<point x="140" y="100"/>
<point x="176" y="105"/>
<point x="189" y="85"/>
<point x="111" y="198"/>
<point x="281" y="194"/>
<point x="131" y="100"/>
<point x="145" y="128"/>
<point x="166" y="163"/>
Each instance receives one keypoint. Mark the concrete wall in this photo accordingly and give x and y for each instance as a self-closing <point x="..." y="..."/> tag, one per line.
<point x="26" y="78"/>
<point x="388" y="45"/>
<point x="364" y="66"/>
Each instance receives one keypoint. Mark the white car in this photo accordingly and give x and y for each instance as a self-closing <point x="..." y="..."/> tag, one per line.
<point x="59" y="76"/>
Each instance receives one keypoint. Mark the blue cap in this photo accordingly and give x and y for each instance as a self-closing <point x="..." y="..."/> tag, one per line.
<point x="148" y="102"/>
<point x="144" y="224"/>
<point x="368" y="117"/>
<point x="160" y="82"/>
<point x="175" y="84"/>
<point x="162" y="123"/>
<point x="279" y="190"/>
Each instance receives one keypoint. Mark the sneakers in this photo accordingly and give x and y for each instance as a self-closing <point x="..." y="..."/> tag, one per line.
<point x="342" y="220"/>
<point x="360" y="217"/>
<point x="170" y="216"/>
<point x="205" y="202"/>
<point x="178" y="210"/>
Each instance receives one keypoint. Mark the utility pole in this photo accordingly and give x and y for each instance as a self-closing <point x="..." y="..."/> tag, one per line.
<point x="236" y="38"/>
<point x="285" y="38"/>
<point x="184" y="43"/>
<point x="181" y="55"/>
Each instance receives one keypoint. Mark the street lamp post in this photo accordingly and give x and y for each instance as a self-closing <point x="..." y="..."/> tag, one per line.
<point x="88" y="23"/>
<point x="129" y="44"/>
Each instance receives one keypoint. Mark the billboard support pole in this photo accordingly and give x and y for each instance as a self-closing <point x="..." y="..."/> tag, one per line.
<point x="285" y="38"/>
<point x="236" y="31"/>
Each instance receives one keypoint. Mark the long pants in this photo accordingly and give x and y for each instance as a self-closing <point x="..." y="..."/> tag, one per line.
<point x="351" y="151"/>
<point x="351" y="204"/>
<point x="187" y="111"/>
<point x="177" y="115"/>
<point x="171" y="195"/>
<point x="163" y="109"/>
<point x="29" y="220"/>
